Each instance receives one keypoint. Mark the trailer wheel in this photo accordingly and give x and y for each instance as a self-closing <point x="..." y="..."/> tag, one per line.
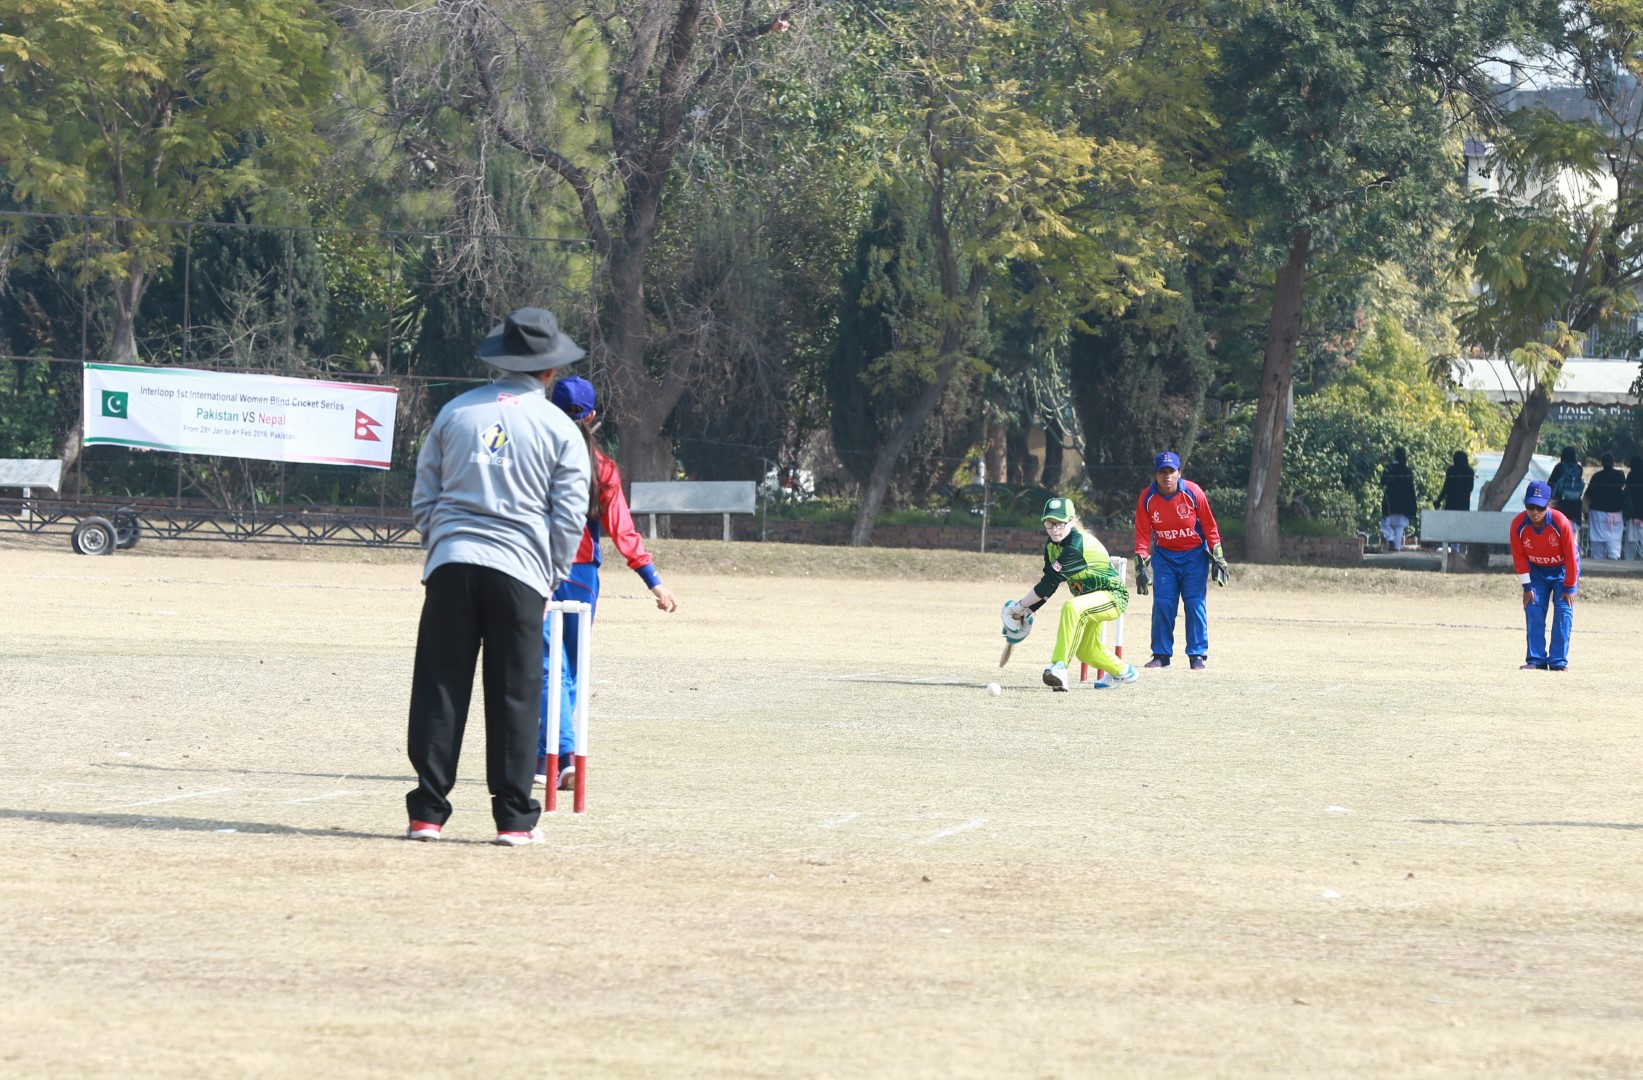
<point x="93" y="536"/>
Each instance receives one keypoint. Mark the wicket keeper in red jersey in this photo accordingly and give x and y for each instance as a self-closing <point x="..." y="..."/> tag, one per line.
<point x="1177" y="551"/>
<point x="1547" y="560"/>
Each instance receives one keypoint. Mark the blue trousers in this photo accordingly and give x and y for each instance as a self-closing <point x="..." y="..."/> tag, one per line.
<point x="1179" y="577"/>
<point x="1546" y="583"/>
<point x="583" y="585"/>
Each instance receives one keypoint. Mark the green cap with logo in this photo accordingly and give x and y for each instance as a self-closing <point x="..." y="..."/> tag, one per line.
<point x="1058" y="509"/>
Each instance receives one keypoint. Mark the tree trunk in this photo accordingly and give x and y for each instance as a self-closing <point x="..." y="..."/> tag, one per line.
<point x="1266" y="459"/>
<point x="641" y="405"/>
<point x="884" y="465"/>
<point x="69" y="449"/>
<point x="997" y="455"/>
<point x="1514" y="460"/>
<point x="128" y="294"/>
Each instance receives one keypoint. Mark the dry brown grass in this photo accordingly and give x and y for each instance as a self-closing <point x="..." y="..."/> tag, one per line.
<point x="815" y="847"/>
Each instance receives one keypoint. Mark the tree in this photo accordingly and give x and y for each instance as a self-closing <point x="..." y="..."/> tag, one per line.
<point x="1558" y="249"/>
<point x="1010" y="179"/>
<point x="1338" y="115"/>
<point x="147" y="111"/>
<point x="656" y="76"/>
<point x="882" y="306"/>
<point x="1138" y="382"/>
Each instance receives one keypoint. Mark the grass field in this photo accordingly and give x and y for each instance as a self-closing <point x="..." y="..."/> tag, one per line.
<point x="1362" y="843"/>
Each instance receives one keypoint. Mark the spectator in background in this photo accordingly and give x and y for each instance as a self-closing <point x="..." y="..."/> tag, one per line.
<point x="1633" y="546"/>
<point x="1568" y="484"/>
<point x="1605" y="510"/>
<point x="1398" y="503"/>
<point x="1458" y="480"/>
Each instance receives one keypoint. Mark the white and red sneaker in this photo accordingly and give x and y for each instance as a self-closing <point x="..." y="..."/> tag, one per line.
<point x="423" y="830"/>
<point x="521" y="839"/>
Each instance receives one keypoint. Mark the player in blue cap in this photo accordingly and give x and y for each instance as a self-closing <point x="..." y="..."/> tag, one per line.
<point x="607" y="516"/>
<point x="1177" y="551"/>
<point x="1546" y="556"/>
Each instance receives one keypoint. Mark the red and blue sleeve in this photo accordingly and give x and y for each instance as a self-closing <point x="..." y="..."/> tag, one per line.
<point x="1143" y="525"/>
<point x="1520" y="556"/>
<point x="618" y="523"/>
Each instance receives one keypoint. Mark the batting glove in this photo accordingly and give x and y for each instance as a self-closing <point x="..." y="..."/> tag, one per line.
<point x="1218" y="568"/>
<point x="1143" y="575"/>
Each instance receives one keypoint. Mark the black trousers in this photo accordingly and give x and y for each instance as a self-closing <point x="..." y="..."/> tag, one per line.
<point x="464" y="607"/>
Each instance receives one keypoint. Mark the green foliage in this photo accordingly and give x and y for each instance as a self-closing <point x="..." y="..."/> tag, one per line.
<point x="155" y="108"/>
<point x="1620" y="434"/>
<point x="1138" y="383"/>
<point x="33" y="404"/>
<point x="1344" y="435"/>
<point x="882" y="304"/>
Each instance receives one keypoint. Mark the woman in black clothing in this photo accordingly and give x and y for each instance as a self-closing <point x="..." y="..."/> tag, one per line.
<point x="1457" y="485"/>
<point x="1398" y="503"/>
<point x="1606" y="510"/>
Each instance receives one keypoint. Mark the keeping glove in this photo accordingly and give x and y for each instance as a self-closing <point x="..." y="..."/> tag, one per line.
<point x="1143" y="575"/>
<point x="1218" y="566"/>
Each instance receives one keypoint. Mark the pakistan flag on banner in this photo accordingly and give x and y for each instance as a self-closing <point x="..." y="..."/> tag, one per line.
<point x="116" y="403"/>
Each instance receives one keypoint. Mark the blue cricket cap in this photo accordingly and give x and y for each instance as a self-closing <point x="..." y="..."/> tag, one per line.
<point x="575" y="396"/>
<point x="1537" y="494"/>
<point x="1166" y="460"/>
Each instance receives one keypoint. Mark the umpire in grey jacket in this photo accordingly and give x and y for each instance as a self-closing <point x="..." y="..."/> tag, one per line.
<point x="501" y="498"/>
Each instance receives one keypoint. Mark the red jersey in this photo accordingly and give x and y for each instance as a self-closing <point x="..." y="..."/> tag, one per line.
<point x="617" y="523"/>
<point x="1553" y="544"/>
<point x="1179" y="522"/>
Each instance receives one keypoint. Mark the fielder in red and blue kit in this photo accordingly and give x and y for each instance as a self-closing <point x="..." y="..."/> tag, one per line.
<point x="1546" y="556"/>
<point x="608" y="515"/>
<point x="1177" y="547"/>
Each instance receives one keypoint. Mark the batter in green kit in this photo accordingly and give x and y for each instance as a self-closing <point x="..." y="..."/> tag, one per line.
<point x="1098" y="597"/>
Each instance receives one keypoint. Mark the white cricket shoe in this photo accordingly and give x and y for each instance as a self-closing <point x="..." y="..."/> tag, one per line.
<point x="521" y="839"/>
<point x="1055" y="677"/>
<point x="1130" y="674"/>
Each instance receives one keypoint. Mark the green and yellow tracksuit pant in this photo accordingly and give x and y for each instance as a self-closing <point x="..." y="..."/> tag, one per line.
<point x="1079" y="633"/>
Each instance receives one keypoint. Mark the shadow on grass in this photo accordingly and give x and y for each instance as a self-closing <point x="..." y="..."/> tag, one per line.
<point x="1533" y="824"/>
<point x="339" y="777"/>
<point x="154" y="823"/>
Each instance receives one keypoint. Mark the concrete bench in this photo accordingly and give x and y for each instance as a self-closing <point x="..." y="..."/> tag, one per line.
<point x="693" y="497"/>
<point x="31" y="473"/>
<point x="1465" y="527"/>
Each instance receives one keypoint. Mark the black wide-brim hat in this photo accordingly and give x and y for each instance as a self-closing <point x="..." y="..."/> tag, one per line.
<point x="529" y="340"/>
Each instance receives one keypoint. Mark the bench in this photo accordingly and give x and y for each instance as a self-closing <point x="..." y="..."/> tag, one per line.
<point x="693" y="497"/>
<point x="30" y="473"/>
<point x="1465" y="527"/>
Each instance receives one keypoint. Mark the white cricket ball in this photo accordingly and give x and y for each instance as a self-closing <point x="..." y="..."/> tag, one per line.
<point x="994" y="689"/>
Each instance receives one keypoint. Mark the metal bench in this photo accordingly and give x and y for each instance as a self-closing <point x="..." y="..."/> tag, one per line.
<point x="31" y="473"/>
<point x="1465" y="527"/>
<point x="693" y="497"/>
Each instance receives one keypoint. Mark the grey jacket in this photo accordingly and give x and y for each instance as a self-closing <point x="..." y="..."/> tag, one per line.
<point x="502" y="481"/>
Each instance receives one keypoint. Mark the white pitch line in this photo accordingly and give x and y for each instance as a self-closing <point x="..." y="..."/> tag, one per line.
<point x="845" y="820"/>
<point x="976" y="824"/>
<point x="317" y="798"/>
<point x="168" y="798"/>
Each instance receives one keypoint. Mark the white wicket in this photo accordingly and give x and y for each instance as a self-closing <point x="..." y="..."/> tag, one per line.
<point x="557" y="610"/>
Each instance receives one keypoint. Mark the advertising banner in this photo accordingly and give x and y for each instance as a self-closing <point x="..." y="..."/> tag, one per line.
<point x="269" y="417"/>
